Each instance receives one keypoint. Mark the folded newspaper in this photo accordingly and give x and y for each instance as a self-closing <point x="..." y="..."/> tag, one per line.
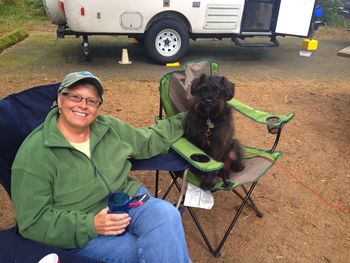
<point x="197" y="197"/>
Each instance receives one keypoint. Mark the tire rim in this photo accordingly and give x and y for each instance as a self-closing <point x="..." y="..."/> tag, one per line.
<point x="168" y="42"/>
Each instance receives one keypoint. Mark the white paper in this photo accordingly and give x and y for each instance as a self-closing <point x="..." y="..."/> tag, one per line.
<point x="303" y="53"/>
<point x="197" y="197"/>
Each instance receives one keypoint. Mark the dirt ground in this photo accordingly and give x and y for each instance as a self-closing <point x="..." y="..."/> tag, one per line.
<point x="298" y="225"/>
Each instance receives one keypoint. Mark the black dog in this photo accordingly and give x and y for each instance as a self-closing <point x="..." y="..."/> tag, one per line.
<point x="209" y="125"/>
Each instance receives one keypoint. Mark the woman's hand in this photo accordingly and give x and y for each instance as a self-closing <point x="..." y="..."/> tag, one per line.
<point x="110" y="224"/>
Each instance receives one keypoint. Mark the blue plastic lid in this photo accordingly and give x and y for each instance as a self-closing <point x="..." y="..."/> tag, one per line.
<point x="318" y="11"/>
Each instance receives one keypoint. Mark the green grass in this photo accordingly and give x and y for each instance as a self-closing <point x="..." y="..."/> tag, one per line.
<point x="14" y="16"/>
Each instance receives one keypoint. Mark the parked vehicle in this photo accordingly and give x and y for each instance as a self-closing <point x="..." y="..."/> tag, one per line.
<point x="345" y="10"/>
<point x="166" y="26"/>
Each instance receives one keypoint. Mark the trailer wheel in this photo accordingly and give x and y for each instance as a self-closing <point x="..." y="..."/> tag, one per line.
<point x="166" y="41"/>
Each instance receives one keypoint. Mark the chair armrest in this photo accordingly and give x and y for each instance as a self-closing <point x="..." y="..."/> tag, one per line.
<point x="195" y="156"/>
<point x="260" y="116"/>
<point x="250" y="152"/>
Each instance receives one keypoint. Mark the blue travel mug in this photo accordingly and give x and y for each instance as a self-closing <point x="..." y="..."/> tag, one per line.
<point x="118" y="203"/>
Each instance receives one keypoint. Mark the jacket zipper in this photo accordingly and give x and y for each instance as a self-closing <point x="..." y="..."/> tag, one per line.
<point x="97" y="175"/>
<point x="94" y="167"/>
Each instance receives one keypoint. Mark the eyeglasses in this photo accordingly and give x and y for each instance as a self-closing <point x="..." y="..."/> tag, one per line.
<point x="77" y="99"/>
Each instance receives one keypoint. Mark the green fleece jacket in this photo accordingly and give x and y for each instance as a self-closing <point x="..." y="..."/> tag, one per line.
<point x="57" y="190"/>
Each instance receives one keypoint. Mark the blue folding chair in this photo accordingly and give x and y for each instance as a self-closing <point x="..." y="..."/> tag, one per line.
<point x="20" y="113"/>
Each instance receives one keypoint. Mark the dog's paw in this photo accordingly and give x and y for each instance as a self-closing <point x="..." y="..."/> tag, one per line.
<point x="237" y="167"/>
<point x="206" y="186"/>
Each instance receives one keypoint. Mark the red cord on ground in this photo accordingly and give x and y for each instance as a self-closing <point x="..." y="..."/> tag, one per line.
<point x="302" y="183"/>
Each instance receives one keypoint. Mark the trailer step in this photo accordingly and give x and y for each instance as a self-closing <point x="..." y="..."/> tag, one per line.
<point x="272" y="43"/>
<point x="248" y="33"/>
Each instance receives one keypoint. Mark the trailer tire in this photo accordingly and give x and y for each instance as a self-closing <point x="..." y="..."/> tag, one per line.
<point x="166" y="41"/>
<point x="140" y="40"/>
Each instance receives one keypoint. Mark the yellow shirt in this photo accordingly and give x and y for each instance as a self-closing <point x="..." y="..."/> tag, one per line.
<point x="84" y="147"/>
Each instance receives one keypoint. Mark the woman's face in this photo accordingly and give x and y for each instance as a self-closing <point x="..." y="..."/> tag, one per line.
<point x="78" y="115"/>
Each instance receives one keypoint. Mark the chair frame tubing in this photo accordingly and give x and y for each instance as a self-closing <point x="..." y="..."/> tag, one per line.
<point x="245" y="200"/>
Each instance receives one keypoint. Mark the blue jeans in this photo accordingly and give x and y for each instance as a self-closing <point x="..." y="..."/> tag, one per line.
<point x="155" y="234"/>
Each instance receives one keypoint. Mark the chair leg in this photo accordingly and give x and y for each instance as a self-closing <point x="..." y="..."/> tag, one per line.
<point x="193" y="215"/>
<point x="251" y="202"/>
<point x="156" y="184"/>
<point x="238" y="213"/>
<point x="174" y="178"/>
<point x="204" y="236"/>
<point x="245" y="200"/>
<point x="216" y="252"/>
<point x="183" y="189"/>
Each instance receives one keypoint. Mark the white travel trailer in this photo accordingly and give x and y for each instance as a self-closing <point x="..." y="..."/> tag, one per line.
<point x="166" y="26"/>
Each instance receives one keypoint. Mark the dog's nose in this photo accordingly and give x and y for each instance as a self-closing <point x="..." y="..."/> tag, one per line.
<point x="207" y="100"/>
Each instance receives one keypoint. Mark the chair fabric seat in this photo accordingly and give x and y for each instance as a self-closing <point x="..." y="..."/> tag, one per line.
<point x="256" y="165"/>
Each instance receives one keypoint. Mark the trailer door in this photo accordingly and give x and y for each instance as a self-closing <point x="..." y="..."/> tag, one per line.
<point x="295" y="17"/>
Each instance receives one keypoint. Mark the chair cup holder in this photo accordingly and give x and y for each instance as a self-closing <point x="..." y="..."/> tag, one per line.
<point x="201" y="158"/>
<point x="270" y="124"/>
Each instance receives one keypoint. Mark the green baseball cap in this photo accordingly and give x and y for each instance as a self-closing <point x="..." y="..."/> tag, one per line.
<point x="74" y="77"/>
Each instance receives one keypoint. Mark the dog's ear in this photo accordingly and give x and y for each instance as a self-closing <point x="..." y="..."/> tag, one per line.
<point x="229" y="88"/>
<point x="196" y="84"/>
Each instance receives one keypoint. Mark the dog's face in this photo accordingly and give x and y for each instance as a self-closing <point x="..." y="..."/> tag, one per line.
<point x="210" y="94"/>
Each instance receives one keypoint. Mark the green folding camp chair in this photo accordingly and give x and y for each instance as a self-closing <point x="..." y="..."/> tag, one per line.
<point x="175" y="95"/>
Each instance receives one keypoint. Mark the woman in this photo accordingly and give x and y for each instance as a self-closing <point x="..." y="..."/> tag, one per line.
<point x="67" y="167"/>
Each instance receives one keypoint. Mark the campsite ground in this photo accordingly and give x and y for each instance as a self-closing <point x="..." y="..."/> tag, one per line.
<point x="298" y="225"/>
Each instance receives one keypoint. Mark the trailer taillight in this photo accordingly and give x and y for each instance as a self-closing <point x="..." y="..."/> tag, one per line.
<point x="62" y="6"/>
<point x="82" y="11"/>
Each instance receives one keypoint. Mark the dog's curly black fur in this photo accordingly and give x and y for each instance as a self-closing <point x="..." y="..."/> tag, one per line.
<point x="209" y="125"/>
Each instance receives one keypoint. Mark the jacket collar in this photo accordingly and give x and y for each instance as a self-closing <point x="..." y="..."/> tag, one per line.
<point x="54" y="138"/>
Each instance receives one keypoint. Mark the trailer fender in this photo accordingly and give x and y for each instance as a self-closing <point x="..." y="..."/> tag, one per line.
<point x="172" y="15"/>
<point x="54" y="11"/>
